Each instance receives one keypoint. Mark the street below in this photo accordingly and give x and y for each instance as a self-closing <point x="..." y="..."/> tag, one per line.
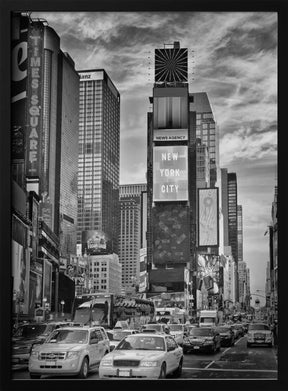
<point x="236" y="362"/>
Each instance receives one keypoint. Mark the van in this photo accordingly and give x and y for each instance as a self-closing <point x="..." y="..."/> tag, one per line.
<point x="208" y="318"/>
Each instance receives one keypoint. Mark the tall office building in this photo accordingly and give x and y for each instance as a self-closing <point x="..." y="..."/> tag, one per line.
<point x="98" y="161"/>
<point x="44" y="115"/>
<point x="206" y="130"/>
<point x="233" y="223"/>
<point x="240" y="233"/>
<point x="130" y="232"/>
<point x="171" y="175"/>
<point x="202" y="164"/>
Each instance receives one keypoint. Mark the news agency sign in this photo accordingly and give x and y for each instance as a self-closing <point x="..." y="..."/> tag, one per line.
<point x="170" y="135"/>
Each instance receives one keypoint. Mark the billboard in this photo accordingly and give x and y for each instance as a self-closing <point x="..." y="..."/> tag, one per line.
<point x="94" y="242"/>
<point x="208" y="217"/>
<point x="34" y="113"/>
<point x="170" y="234"/>
<point x="170" y="173"/>
<point x="89" y="76"/>
<point x="208" y="271"/>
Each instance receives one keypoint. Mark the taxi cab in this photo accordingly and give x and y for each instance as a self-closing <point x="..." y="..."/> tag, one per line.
<point x="259" y="334"/>
<point x="143" y="355"/>
<point x="69" y="351"/>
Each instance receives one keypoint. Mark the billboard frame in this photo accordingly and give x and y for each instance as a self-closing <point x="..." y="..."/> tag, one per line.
<point x="201" y="246"/>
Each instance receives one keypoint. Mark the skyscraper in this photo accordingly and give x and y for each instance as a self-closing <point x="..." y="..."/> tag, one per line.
<point x="233" y="223"/>
<point x="130" y="232"/>
<point x="206" y="130"/>
<point x="240" y="233"/>
<point x="98" y="161"/>
<point x="171" y="174"/>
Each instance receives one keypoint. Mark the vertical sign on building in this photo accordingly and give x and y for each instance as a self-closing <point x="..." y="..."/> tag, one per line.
<point x="33" y="136"/>
<point x="208" y="231"/>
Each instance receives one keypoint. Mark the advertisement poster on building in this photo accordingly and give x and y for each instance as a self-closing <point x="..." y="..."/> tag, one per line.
<point x="208" y="217"/>
<point x="20" y="273"/>
<point x="94" y="242"/>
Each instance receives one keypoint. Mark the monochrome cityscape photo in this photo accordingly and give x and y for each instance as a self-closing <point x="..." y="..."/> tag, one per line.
<point x="144" y="185"/>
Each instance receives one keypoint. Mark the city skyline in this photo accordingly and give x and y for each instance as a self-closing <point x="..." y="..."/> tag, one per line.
<point x="235" y="62"/>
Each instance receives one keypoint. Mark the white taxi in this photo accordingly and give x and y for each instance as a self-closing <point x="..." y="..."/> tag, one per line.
<point x="177" y="331"/>
<point x="69" y="351"/>
<point x="143" y="356"/>
<point x="259" y="334"/>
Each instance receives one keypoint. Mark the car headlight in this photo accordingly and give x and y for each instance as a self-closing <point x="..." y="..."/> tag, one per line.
<point x="106" y="363"/>
<point x="73" y="354"/>
<point x="149" y="364"/>
<point x="34" y="353"/>
<point x="208" y="342"/>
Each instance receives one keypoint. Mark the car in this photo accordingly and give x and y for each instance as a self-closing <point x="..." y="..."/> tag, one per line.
<point x="26" y="336"/>
<point x="143" y="356"/>
<point x="156" y="328"/>
<point x="177" y="331"/>
<point x="69" y="351"/>
<point x="121" y="325"/>
<point x="202" y="339"/>
<point x="117" y="336"/>
<point x="227" y="336"/>
<point x="259" y="334"/>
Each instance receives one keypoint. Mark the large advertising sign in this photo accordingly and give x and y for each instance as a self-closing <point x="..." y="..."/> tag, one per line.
<point x="208" y="217"/>
<point x="89" y="76"/>
<point x="94" y="242"/>
<point x="171" y="243"/>
<point x="170" y="173"/>
<point x="33" y="139"/>
<point x="20" y="273"/>
<point x="18" y="85"/>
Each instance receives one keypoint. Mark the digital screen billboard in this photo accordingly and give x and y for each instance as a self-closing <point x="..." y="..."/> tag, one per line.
<point x="208" y="217"/>
<point x="171" y="243"/>
<point x="94" y="242"/>
<point x="170" y="173"/>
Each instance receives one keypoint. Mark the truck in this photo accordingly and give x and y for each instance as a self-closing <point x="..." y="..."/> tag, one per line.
<point x="208" y="318"/>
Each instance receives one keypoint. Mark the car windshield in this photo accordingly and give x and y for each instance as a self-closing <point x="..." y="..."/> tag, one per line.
<point x="156" y="327"/>
<point x="176" y="327"/>
<point x="68" y="336"/>
<point x="258" y="327"/>
<point x="110" y="335"/>
<point x="200" y="332"/>
<point x="118" y="335"/>
<point x="134" y="342"/>
<point x="223" y="329"/>
<point x="30" y="331"/>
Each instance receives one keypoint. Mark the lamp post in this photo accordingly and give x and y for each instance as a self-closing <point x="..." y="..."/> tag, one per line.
<point x="62" y="307"/>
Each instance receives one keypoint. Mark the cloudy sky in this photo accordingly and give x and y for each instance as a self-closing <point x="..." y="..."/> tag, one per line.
<point x="232" y="57"/>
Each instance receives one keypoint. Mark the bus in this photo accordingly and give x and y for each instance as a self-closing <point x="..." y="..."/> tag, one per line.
<point x="105" y="310"/>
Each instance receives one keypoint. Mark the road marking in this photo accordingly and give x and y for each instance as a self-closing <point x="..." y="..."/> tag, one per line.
<point x="207" y="366"/>
<point x="239" y="340"/>
<point x="226" y="350"/>
<point x="230" y="370"/>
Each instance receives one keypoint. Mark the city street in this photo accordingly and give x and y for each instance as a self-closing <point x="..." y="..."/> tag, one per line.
<point x="237" y="362"/>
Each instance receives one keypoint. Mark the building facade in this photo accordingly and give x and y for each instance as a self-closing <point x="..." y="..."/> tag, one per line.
<point x="240" y="233"/>
<point x="130" y="233"/>
<point x="98" y="161"/>
<point x="233" y="224"/>
<point x="105" y="273"/>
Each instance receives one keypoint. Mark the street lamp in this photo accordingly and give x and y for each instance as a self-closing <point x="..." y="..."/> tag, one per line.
<point x="62" y="307"/>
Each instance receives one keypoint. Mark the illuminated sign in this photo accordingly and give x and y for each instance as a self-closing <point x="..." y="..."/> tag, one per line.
<point x="94" y="242"/>
<point x="208" y="217"/>
<point x="35" y="45"/>
<point x="96" y="75"/>
<point x="170" y="135"/>
<point x="170" y="173"/>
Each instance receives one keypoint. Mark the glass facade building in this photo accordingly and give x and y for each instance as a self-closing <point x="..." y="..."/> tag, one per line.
<point x="130" y="232"/>
<point x="233" y="223"/>
<point x="98" y="159"/>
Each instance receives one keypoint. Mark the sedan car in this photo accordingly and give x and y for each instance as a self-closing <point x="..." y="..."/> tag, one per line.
<point x="177" y="331"/>
<point x="259" y="334"/>
<point x="28" y="335"/>
<point x="117" y="336"/>
<point x="143" y="356"/>
<point x="202" y="339"/>
<point x="227" y="337"/>
<point x="156" y="327"/>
